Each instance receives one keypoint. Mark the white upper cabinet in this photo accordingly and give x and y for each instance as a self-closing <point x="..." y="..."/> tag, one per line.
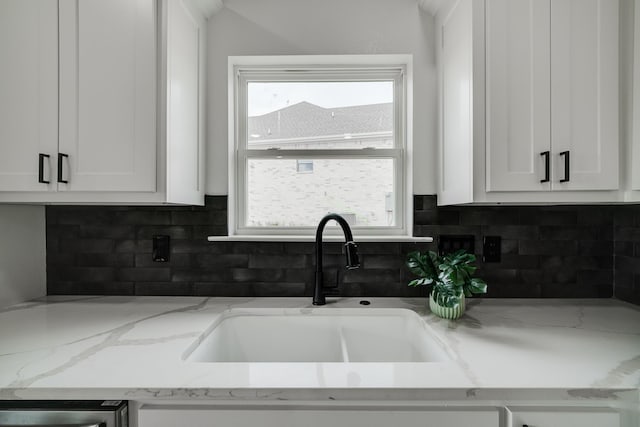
<point x="456" y="156"/>
<point x="552" y="104"/>
<point x="108" y="86"/>
<point x="518" y="94"/>
<point x="28" y="94"/>
<point x="543" y="86"/>
<point x="185" y="103"/>
<point x="630" y="78"/>
<point x="112" y="109"/>
<point x="584" y="94"/>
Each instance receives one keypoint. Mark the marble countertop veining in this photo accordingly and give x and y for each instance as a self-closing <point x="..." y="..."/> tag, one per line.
<point x="133" y="347"/>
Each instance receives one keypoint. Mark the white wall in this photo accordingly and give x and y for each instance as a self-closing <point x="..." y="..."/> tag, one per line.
<point x="22" y="254"/>
<point x="322" y="27"/>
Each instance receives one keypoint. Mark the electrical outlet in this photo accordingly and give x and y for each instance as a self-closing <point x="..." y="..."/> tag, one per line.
<point x="161" y="248"/>
<point x="491" y="249"/>
<point x="448" y="244"/>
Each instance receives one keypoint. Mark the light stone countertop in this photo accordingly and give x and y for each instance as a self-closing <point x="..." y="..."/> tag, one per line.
<point x="123" y="347"/>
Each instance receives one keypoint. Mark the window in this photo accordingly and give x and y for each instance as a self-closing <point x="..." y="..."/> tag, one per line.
<point x="308" y="141"/>
<point x="304" y="166"/>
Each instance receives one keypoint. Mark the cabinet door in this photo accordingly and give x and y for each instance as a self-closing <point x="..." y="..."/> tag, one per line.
<point x="517" y="94"/>
<point x="108" y="86"/>
<point x="563" y="417"/>
<point x="28" y="92"/>
<point x="584" y="93"/>
<point x="336" y="417"/>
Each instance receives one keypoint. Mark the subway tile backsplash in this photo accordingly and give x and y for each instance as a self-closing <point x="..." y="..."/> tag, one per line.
<point x="626" y="235"/>
<point x="547" y="251"/>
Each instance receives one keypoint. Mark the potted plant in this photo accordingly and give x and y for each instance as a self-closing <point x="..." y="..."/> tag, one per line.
<point x="450" y="278"/>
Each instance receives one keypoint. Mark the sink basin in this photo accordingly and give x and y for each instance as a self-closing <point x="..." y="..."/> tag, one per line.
<point x="318" y="335"/>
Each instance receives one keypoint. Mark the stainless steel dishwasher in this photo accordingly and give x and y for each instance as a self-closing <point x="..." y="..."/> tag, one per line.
<point x="67" y="413"/>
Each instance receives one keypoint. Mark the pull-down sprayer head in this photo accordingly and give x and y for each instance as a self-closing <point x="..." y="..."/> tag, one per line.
<point x="351" y="252"/>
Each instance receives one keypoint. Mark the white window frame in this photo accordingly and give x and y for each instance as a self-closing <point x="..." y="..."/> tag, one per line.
<point x="244" y="69"/>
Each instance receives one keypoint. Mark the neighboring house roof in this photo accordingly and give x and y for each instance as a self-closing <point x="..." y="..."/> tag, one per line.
<point x="308" y="120"/>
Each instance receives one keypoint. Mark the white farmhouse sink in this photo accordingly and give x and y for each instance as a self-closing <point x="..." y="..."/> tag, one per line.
<point x="318" y="335"/>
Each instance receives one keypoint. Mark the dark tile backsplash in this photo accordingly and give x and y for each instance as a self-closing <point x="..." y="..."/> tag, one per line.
<point x="547" y="251"/>
<point x="626" y="235"/>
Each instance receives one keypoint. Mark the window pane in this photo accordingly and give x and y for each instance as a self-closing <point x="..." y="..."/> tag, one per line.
<point x="359" y="189"/>
<point x="320" y="115"/>
<point x="304" y="166"/>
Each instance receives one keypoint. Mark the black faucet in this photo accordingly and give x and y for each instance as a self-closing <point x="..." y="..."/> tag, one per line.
<point x="351" y="251"/>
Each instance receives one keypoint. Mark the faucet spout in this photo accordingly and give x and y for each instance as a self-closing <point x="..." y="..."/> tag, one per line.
<point x="351" y="253"/>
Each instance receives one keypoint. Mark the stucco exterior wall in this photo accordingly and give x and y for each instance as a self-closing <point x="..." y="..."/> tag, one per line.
<point x="279" y="195"/>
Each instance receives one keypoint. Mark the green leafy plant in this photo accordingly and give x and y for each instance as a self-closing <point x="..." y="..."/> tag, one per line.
<point x="449" y="276"/>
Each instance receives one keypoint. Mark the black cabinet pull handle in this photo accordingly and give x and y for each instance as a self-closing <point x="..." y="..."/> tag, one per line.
<point x="61" y="156"/>
<point x="566" y="166"/>
<point x="41" y="158"/>
<point x="546" y="155"/>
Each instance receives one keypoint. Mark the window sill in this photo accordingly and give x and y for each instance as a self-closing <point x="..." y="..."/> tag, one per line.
<point x="327" y="238"/>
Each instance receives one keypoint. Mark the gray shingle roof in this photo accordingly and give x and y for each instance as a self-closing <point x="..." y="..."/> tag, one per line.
<point x="308" y="120"/>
